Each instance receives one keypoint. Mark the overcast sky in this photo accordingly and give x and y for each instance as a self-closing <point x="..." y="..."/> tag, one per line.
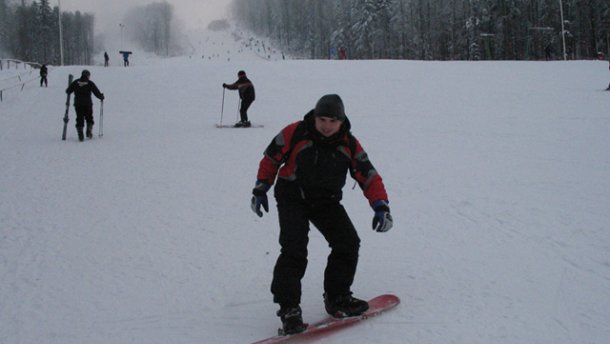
<point x="109" y="13"/>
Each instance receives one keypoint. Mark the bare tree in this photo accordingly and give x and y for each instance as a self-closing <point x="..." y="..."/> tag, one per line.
<point x="430" y="29"/>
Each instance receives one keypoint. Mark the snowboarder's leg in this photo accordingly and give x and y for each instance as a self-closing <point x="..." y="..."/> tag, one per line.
<point x="334" y="223"/>
<point x="292" y="262"/>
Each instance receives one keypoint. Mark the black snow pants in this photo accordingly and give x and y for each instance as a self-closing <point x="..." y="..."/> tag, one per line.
<point x="84" y="113"/>
<point x="243" y="109"/>
<point x="331" y="219"/>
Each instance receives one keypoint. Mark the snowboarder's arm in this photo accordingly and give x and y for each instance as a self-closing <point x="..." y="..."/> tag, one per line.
<point x="276" y="155"/>
<point x="363" y="171"/>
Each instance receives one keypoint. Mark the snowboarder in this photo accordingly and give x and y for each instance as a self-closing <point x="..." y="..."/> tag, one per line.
<point x="44" y="71"/>
<point x="106" y="59"/>
<point x="246" y="94"/>
<point x="83" y="105"/>
<point x="311" y="158"/>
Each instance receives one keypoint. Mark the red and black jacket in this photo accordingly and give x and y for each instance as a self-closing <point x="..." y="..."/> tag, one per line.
<point x="301" y="157"/>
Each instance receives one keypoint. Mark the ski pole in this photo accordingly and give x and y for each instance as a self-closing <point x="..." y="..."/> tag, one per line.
<point x="101" y="119"/>
<point x="222" y="109"/>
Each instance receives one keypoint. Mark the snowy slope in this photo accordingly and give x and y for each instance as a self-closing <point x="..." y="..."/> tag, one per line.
<point x="498" y="175"/>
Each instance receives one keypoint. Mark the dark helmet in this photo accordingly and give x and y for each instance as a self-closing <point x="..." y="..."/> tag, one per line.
<point x="330" y="106"/>
<point x="85" y="74"/>
<point x="241" y="73"/>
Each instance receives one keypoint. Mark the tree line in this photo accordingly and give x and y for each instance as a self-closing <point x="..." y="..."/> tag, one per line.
<point x="432" y="29"/>
<point x="30" y="32"/>
<point x="154" y="28"/>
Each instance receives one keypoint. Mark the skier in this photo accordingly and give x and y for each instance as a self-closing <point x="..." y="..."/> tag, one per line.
<point x="44" y="71"/>
<point x="311" y="158"/>
<point x="106" y="59"/>
<point x="83" y="105"/>
<point x="246" y="94"/>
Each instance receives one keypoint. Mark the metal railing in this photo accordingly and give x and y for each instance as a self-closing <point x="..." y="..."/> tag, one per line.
<point x="21" y="78"/>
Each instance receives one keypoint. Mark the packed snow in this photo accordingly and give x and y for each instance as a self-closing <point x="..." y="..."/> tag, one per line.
<point x="498" y="175"/>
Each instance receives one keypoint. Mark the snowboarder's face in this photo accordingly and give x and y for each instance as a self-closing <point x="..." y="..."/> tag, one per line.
<point x="327" y="126"/>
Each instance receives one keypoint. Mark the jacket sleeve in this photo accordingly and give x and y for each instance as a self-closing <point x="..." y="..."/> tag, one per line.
<point x="363" y="171"/>
<point x="95" y="90"/>
<point x="276" y="154"/>
<point x="70" y="88"/>
<point x="233" y="86"/>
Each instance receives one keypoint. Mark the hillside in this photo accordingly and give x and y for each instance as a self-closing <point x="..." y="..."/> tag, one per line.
<point x="498" y="175"/>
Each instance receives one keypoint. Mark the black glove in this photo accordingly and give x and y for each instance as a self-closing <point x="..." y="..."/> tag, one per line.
<point x="224" y="85"/>
<point x="102" y="97"/>
<point x="260" y="198"/>
<point x="382" y="221"/>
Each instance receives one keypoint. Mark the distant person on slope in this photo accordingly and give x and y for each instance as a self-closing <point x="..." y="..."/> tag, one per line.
<point x="246" y="94"/>
<point x="44" y="71"/>
<point x="83" y="105"/>
<point x="125" y="57"/>
<point x="310" y="159"/>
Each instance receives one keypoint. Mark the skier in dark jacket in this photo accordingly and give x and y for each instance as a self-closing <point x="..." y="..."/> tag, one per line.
<point x="83" y="105"/>
<point x="44" y="71"/>
<point x="246" y="94"/>
<point x="310" y="159"/>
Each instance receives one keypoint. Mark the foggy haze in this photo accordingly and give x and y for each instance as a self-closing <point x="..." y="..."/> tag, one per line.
<point x="109" y="14"/>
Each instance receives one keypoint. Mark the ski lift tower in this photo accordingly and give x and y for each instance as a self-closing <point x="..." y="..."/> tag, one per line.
<point x="61" y="38"/>
<point x="563" y="31"/>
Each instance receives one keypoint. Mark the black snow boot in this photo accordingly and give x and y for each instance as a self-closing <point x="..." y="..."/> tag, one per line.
<point x="292" y="320"/>
<point x="89" y="129"/>
<point x="81" y="136"/>
<point x="243" y="124"/>
<point x="344" y="306"/>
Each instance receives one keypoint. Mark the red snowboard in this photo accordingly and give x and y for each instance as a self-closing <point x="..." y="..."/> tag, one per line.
<point x="377" y="305"/>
